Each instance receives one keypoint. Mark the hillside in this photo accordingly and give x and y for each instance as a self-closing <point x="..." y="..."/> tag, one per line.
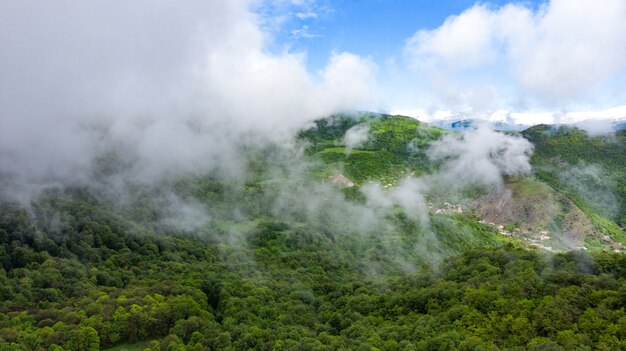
<point x="538" y="209"/>
<point x="391" y="146"/>
<point x="354" y="239"/>
<point x="589" y="170"/>
<point x="102" y="281"/>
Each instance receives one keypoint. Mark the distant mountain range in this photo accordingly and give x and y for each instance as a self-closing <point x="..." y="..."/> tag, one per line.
<point x="463" y="124"/>
<point x="594" y="121"/>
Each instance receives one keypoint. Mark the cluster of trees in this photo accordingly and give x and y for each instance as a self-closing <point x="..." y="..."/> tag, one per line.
<point x="559" y="148"/>
<point x="82" y="277"/>
<point x="77" y="273"/>
<point x="396" y="145"/>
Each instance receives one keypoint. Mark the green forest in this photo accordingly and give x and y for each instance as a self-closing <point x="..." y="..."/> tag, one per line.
<point x="269" y="270"/>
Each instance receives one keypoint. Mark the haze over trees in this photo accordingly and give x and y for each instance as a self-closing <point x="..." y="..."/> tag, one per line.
<point x="289" y="259"/>
<point x="204" y="175"/>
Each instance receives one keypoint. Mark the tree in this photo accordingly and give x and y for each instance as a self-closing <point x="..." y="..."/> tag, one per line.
<point x="84" y="339"/>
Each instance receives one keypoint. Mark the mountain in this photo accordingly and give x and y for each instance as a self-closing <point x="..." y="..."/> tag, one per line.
<point x="534" y="205"/>
<point x="355" y="236"/>
<point x="595" y="122"/>
<point x="588" y="169"/>
<point x="464" y="124"/>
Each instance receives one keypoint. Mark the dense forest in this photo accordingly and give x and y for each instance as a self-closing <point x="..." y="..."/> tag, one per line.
<point x="99" y="284"/>
<point x="594" y="167"/>
<point x="273" y="271"/>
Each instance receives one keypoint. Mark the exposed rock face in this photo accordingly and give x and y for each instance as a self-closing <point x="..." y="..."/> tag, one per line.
<point x="535" y="207"/>
<point x="507" y="206"/>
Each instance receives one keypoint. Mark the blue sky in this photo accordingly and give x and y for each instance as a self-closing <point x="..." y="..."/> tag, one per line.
<point x="376" y="28"/>
<point x="519" y="55"/>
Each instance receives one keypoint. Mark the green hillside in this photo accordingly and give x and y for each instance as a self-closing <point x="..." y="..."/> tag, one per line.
<point x="396" y="146"/>
<point x="572" y="211"/>
<point x="589" y="170"/>
<point x="296" y="254"/>
<point x="101" y="281"/>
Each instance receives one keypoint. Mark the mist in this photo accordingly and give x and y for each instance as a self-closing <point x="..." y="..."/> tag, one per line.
<point x="136" y="105"/>
<point x="356" y="136"/>
<point x="480" y="156"/>
<point x="156" y="90"/>
<point x="594" y="185"/>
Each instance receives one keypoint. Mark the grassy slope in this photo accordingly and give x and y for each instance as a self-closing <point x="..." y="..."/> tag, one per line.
<point x="397" y="144"/>
<point x="396" y="147"/>
<point x="581" y="167"/>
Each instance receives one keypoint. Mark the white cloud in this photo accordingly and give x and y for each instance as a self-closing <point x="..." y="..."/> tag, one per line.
<point x="348" y="82"/>
<point x="558" y="54"/>
<point x="306" y="15"/>
<point x="171" y="87"/>
<point x="614" y="113"/>
<point x="303" y="32"/>
<point x="462" y="41"/>
<point x="408" y="194"/>
<point x="593" y="121"/>
<point x="532" y="118"/>
<point x="480" y="156"/>
<point x="356" y="136"/>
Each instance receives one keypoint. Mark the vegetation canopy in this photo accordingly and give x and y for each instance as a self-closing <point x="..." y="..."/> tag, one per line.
<point x="347" y="241"/>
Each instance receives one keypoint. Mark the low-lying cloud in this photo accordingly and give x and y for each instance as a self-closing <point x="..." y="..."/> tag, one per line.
<point x="480" y="156"/>
<point x="159" y="87"/>
<point x="356" y="136"/>
<point x="594" y="185"/>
